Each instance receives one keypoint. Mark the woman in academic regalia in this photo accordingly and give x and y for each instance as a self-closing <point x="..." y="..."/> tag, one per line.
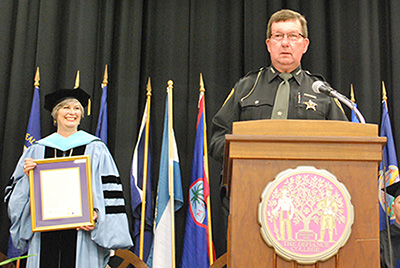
<point x="86" y="246"/>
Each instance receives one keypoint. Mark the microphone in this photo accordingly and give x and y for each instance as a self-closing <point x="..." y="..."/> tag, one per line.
<point x="325" y="88"/>
<point x="322" y="87"/>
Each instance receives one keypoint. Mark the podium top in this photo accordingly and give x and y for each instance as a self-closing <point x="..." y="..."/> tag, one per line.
<point x="315" y="141"/>
<point x="304" y="128"/>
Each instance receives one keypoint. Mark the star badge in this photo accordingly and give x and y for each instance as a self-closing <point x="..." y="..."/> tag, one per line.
<point x="311" y="105"/>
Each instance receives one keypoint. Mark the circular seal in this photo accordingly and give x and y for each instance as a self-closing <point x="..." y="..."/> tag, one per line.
<point x="305" y="214"/>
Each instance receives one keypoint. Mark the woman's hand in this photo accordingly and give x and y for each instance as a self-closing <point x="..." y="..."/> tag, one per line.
<point x="87" y="227"/>
<point x="28" y="165"/>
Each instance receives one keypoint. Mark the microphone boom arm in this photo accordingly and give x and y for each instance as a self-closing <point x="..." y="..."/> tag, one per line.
<point x="348" y="103"/>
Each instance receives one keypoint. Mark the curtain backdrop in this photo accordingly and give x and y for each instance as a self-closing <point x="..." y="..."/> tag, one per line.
<point x="352" y="42"/>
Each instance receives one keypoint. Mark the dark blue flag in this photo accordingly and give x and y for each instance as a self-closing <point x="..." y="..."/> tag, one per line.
<point x="101" y="130"/>
<point x="388" y="169"/>
<point x="32" y="135"/>
<point x="198" y="248"/>
<point x="33" y="131"/>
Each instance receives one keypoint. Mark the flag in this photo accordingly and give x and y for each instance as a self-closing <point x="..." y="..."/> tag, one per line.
<point x="163" y="242"/>
<point x="354" y="117"/>
<point x="142" y="157"/>
<point x="198" y="248"/>
<point x="32" y="135"/>
<point x="33" y="130"/>
<point x="388" y="169"/>
<point x="101" y="130"/>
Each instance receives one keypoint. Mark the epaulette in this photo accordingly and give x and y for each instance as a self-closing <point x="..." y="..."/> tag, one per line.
<point x="318" y="76"/>
<point x="255" y="83"/>
<point x="233" y="89"/>
<point x="258" y="72"/>
<point x="254" y="71"/>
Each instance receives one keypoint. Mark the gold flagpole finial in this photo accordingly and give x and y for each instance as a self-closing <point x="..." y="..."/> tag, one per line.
<point x="384" y="96"/>
<point x="148" y="88"/>
<point x="37" y="78"/>
<point x="77" y="80"/>
<point x="170" y="84"/>
<point x="202" y="89"/>
<point x="353" y="99"/>
<point x="105" y="78"/>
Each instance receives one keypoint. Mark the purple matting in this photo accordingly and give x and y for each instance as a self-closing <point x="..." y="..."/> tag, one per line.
<point x="38" y="197"/>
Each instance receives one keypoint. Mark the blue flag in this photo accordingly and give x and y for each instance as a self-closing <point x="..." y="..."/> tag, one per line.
<point x="32" y="135"/>
<point x="198" y="237"/>
<point x="33" y="131"/>
<point x="101" y="130"/>
<point x="161" y="254"/>
<point x="354" y="117"/>
<point x="388" y="169"/>
<point x="137" y="175"/>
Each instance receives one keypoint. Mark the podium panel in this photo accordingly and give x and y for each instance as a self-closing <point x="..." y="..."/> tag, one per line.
<point x="259" y="150"/>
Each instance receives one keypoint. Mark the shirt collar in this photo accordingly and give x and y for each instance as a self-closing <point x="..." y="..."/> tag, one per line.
<point x="298" y="74"/>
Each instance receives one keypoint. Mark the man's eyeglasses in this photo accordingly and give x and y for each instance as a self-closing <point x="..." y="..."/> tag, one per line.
<point x="293" y="37"/>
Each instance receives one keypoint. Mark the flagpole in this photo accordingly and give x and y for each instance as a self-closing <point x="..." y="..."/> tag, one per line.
<point x="145" y="164"/>
<point x="37" y="78"/>
<point x="352" y="98"/>
<point x="103" y="85"/>
<point x="105" y="78"/>
<point x="210" y="248"/>
<point x="384" y="96"/>
<point x="171" y="170"/>
<point x="77" y="80"/>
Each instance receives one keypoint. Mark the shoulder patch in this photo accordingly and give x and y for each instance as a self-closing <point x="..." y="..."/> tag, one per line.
<point x="254" y="71"/>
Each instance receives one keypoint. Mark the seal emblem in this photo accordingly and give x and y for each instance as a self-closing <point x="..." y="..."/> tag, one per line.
<point x="305" y="214"/>
<point x="197" y="205"/>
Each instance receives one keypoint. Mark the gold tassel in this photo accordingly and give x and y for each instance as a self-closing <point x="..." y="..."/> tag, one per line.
<point x="89" y="107"/>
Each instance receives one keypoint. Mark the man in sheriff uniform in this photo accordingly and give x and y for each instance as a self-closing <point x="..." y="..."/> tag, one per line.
<point x="253" y="96"/>
<point x="256" y="96"/>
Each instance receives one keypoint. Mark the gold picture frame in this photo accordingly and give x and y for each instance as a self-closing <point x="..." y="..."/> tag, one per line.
<point x="61" y="193"/>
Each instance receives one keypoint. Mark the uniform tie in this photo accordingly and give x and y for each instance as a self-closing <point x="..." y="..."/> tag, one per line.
<point x="281" y="104"/>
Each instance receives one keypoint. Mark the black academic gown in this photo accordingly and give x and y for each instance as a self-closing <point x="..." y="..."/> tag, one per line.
<point x="395" y="240"/>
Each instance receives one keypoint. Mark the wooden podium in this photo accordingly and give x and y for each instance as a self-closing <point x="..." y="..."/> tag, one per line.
<point x="258" y="150"/>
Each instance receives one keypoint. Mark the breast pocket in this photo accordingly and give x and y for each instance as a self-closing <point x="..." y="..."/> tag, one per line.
<point x="311" y="108"/>
<point x="255" y="109"/>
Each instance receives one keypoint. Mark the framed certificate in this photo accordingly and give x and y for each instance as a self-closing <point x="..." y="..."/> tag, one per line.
<point x="61" y="193"/>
